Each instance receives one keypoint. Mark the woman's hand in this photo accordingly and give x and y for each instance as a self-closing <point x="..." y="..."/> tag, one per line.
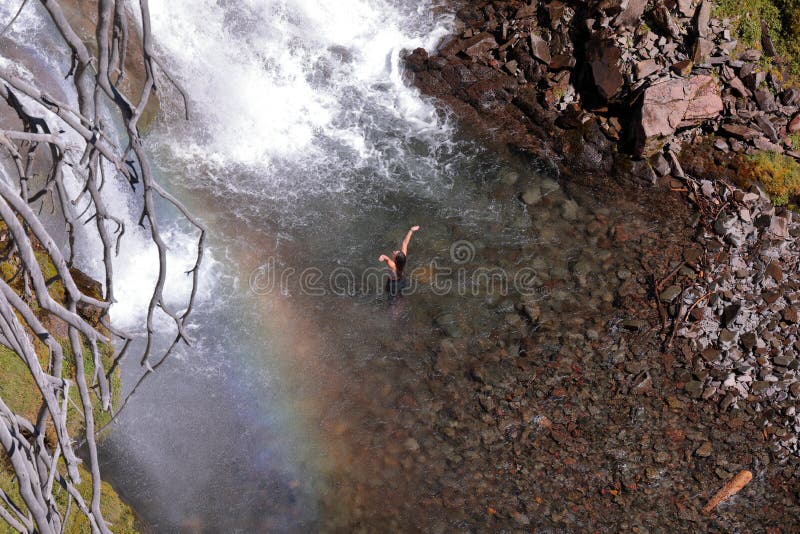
<point x="383" y="257"/>
<point x="414" y="228"/>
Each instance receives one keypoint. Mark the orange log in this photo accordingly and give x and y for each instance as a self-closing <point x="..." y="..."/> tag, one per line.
<point x="728" y="490"/>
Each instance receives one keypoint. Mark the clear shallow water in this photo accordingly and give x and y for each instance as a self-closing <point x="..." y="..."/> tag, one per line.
<point x="305" y="149"/>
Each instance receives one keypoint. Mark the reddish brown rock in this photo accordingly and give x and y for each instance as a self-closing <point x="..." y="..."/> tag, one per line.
<point x="479" y="45"/>
<point x="794" y="126"/>
<point x="675" y="104"/>
<point x="604" y="57"/>
<point x="645" y="68"/>
<point x="739" y="131"/>
<point x="540" y="49"/>
<point x="632" y="14"/>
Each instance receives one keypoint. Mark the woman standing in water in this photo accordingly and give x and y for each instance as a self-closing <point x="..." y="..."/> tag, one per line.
<point x="397" y="265"/>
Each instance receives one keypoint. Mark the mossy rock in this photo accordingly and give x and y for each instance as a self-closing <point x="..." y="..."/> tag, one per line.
<point x="119" y="515"/>
<point x="778" y="173"/>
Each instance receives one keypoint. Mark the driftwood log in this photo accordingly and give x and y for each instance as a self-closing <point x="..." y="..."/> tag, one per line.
<point x="40" y="464"/>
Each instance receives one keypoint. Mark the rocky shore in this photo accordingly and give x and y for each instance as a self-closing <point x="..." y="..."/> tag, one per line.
<point x="621" y="86"/>
<point x="662" y="358"/>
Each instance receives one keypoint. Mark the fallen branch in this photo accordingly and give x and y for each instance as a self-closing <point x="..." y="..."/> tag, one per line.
<point x="730" y="489"/>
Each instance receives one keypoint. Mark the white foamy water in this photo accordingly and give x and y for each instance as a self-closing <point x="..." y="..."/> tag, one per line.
<point x="297" y="98"/>
<point x="271" y="76"/>
<point x="136" y="268"/>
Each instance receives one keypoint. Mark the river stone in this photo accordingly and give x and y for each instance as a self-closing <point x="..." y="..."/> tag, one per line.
<point x="570" y="210"/>
<point x="669" y="294"/>
<point x="694" y="388"/>
<point x="674" y="104"/>
<point x="448" y="323"/>
<point x="532" y="196"/>
<point x="704" y="450"/>
<point x="509" y="176"/>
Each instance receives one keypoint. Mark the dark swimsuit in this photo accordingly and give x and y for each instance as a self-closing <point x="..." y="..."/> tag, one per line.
<point x="394" y="287"/>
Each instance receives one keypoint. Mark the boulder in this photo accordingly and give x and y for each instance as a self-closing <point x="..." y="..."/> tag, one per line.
<point x="604" y="58"/>
<point x="555" y="12"/>
<point x="540" y="49"/>
<point x="762" y="143"/>
<point x="479" y="45"/>
<point x="766" y="126"/>
<point x="738" y="86"/>
<point x="703" y="48"/>
<point x="765" y="100"/>
<point x="703" y="18"/>
<point x="794" y="125"/>
<point x="646" y="68"/>
<point x="791" y="97"/>
<point x="739" y="131"/>
<point x="766" y="40"/>
<point x="631" y="15"/>
<point x="527" y="11"/>
<point x="664" y="21"/>
<point x="562" y="61"/>
<point x="674" y="104"/>
<point x="686" y="7"/>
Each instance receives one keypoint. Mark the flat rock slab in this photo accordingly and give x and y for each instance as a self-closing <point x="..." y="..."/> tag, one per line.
<point x="678" y="103"/>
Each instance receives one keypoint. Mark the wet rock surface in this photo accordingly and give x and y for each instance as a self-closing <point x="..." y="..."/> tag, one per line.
<point x="649" y="78"/>
<point x="661" y="359"/>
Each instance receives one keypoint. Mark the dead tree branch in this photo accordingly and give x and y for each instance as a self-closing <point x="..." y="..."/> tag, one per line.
<point x="45" y="148"/>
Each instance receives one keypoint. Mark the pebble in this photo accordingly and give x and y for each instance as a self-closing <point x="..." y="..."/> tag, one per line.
<point x="532" y="196"/>
<point x="670" y="293"/>
<point x="694" y="388"/>
<point x="704" y="450"/>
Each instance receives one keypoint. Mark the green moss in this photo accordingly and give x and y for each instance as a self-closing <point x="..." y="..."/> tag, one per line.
<point x="17" y="388"/>
<point x="780" y="175"/>
<point x="782" y="18"/>
<point x="51" y="276"/>
<point x="114" y="510"/>
<point x="19" y="391"/>
<point x="795" y="139"/>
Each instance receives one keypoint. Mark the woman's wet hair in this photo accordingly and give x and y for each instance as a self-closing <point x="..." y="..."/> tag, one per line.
<point x="400" y="264"/>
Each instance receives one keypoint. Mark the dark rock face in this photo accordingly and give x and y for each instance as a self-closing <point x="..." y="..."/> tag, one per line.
<point x="604" y="57"/>
<point x="543" y="69"/>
